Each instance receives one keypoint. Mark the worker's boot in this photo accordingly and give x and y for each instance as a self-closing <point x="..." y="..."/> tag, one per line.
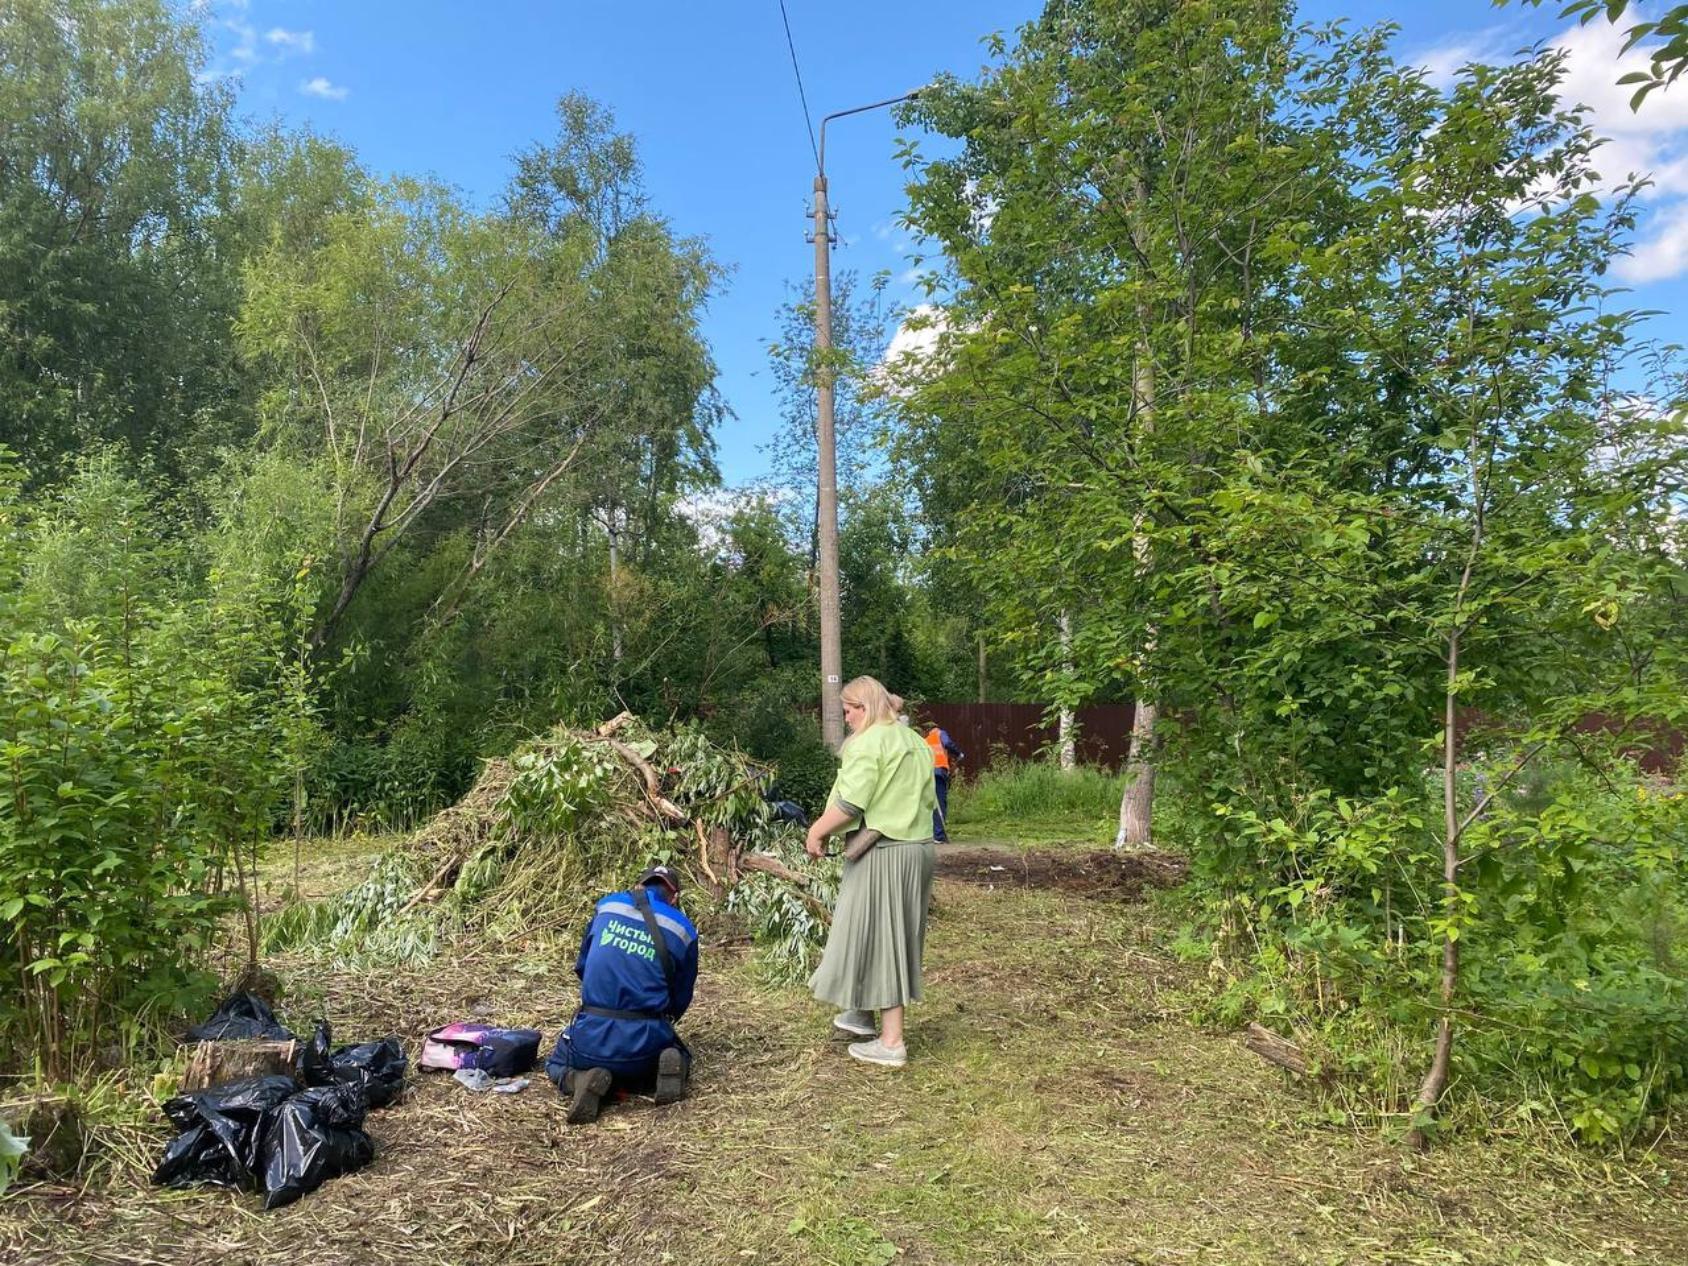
<point x="587" y="1088"/>
<point x="670" y="1076"/>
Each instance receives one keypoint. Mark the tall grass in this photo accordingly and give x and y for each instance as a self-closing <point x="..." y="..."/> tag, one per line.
<point x="1016" y="793"/>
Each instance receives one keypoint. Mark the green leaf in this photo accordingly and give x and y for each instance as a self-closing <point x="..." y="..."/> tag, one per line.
<point x="12" y="1150"/>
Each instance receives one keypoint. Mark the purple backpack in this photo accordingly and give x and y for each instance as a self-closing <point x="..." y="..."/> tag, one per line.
<point x="500" y="1052"/>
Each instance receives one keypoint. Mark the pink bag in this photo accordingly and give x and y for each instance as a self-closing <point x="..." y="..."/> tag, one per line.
<point x="501" y="1052"/>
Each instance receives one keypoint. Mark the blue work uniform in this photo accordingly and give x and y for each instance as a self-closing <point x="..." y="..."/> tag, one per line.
<point x="627" y="1008"/>
<point x="940" y="742"/>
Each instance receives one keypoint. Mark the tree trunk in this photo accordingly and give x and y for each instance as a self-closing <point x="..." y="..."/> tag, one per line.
<point x="982" y="679"/>
<point x="222" y="1062"/>
<point x="1436" y="1080"/>
<point x="1137" y="802"/>
<point x="298" y="823"/>
<point x="615" y="594"/>
<point x="1066" y="725"/>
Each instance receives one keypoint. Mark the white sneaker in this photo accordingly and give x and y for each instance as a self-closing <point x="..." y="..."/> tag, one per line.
<point x="876" y="1052"/>
<point x="858" y="1022"/>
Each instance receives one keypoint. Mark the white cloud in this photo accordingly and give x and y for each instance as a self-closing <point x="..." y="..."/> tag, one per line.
<point x="1651" y="142"/>
<point x="918" y="335"/>
<point x="292" y="41"/>
<point x="246" y="41"/>
<point x="1441" y="62"/>
<point x="319" y="86"/>
<point x="916" y="350"/>
<point x="1664" y="252"/>
<point x="711" y="512"/>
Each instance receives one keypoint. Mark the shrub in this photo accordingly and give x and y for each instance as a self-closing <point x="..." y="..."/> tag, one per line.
<point x="1573" y="999"/>
<point x="144" y="746"/>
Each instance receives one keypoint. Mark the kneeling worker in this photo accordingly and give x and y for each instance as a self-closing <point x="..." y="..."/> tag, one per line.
<point x="637" y="969"/>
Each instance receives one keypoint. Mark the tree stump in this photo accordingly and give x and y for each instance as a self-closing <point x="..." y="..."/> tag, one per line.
<point x="218" y="1063"/>
<point x="57" y="1141"/>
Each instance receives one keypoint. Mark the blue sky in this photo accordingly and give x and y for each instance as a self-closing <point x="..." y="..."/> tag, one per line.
<point x="453" y="90"/>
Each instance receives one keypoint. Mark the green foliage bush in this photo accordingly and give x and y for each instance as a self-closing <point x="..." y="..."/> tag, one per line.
<point x="771" y="718"/>
<point x="145" y="744"/>
<point x="804" y="771"/>
<point x="1575" y="1002"/>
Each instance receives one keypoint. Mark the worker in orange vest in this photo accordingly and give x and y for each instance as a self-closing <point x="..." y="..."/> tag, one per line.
<point x="944" y="753"/>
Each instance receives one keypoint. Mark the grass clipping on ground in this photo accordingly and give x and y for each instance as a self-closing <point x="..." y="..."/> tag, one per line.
<point x="568" y="816"/>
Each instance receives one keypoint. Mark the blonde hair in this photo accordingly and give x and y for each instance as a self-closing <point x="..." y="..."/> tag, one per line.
<point x="875" y="700"/>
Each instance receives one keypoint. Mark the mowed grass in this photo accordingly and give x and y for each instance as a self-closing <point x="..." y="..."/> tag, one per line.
<point x="1058" y="1107"/>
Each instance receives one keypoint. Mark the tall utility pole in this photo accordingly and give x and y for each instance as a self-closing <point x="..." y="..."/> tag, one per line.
<point x="826" y="502"/>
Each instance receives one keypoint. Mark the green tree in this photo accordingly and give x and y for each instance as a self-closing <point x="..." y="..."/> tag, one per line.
<point x="860" y="333"/>
<point x="1669" y="58"/>
<point x="1300" y="377"/>
<point x="649" y="290"/>
<point x="1116" y="220"/>
<point x="116" y="290"/>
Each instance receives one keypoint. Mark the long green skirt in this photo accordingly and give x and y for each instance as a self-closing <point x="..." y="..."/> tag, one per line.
<point x="872" y="955"/>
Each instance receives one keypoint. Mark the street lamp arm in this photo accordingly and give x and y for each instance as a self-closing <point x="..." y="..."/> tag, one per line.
<point x="826" y="451"/>
<point x="820" y="157"/>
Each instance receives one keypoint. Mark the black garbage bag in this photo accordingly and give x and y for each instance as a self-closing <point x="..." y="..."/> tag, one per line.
<point x="222" y="1133"/>
<point x="313" y="1137"/>
<point x="378" y="1068"/>
<point x="314" y="1056"/>
<point x="790" y="811"/>
<point x="242" y="1015"/>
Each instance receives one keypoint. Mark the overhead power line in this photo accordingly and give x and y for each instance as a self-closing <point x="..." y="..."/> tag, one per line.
<point x="801" y="95"/>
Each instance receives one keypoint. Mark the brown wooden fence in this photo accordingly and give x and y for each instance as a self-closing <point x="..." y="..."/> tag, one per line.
<point x="991" y="732"/>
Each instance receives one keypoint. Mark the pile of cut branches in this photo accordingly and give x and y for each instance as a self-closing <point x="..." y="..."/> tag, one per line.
<point x="568" y="816"/>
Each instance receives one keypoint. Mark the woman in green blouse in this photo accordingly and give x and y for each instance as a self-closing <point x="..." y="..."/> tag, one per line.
<point x="872" y="957"/>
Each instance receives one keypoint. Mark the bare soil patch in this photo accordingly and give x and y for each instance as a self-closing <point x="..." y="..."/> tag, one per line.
<point x="1099" y="873"/>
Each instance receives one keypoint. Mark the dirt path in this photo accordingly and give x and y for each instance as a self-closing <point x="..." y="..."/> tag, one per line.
<point x="1058" y="1107"/>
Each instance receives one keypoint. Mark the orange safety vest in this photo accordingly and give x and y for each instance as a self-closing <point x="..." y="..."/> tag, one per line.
<point x="940" y="758"/>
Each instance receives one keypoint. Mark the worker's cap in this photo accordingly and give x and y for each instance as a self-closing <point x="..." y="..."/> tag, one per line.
<point x="663" y="874"/>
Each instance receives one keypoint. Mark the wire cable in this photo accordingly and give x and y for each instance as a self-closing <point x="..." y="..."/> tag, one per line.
<point x="801" y="95"/>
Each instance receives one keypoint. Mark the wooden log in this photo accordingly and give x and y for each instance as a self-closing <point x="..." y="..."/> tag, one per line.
<point x="618" y="721"/>
<point x="1275" y="1050"/>
<point x="218" y="1063"/>
<point x="434" y="888"/>
<point x="771" y="865"/>
<point x="724" y="854"/>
